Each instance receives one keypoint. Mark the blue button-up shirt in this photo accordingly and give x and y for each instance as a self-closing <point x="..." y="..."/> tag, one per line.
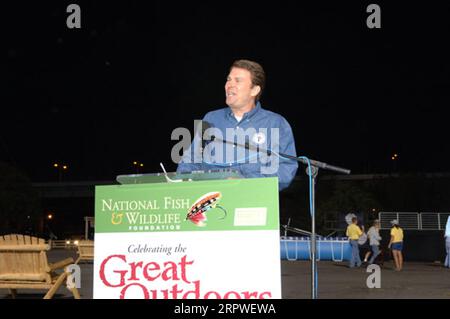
<point x="273" y="132"/>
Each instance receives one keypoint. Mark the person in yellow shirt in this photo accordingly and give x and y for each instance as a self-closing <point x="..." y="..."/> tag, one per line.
<point x="396" y="244"/>
<point x="353" y="234"/>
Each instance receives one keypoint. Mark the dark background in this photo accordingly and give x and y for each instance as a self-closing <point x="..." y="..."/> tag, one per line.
<point x="100" y="97"/>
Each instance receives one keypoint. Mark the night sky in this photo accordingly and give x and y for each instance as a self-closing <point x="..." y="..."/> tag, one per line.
<point x="100" y="97"/>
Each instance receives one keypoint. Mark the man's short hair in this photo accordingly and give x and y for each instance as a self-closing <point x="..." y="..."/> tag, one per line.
<point x="354" y="219"/>
<point x="256" y="71"/>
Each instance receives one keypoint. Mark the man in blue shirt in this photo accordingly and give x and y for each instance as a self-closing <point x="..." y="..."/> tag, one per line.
<point x="244" y="123"/>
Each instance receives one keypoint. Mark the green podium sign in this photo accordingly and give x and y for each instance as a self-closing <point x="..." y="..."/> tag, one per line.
<point x="215" y="239"/>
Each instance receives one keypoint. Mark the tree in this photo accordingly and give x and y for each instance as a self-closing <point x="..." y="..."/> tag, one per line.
<point x="346" y="197"/>
<point x="19" y="202"/>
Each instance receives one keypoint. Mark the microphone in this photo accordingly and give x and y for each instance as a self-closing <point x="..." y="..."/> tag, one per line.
<point x="206" y="125"/>
<point x="168" y="179"/>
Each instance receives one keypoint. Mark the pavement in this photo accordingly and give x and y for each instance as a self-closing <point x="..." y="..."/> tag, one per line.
<point x="335" y="281"/>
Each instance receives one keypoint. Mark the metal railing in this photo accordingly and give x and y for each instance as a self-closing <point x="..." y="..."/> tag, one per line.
<point x="414" y="220"/>
<point x="62" y="244"/>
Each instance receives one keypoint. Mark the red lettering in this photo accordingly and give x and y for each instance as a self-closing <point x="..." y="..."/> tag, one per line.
<point x="175" y="291"/>
<point x="249" y="295"/>
<point x="183" y="263"/>
<point x="172" y="268"/>
<point x="152" y="266"/>
<point x="133" y="270"/>
<point x="196" y="291"/>
<point x="121" y="272"/>
<point x="228" y="295"/>
<point x="144" y="290"/>
<point x="210" y="293"/>
<point x="269" y="295"/>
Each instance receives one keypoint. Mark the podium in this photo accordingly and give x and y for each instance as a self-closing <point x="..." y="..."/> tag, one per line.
<point x="204" y="238"/>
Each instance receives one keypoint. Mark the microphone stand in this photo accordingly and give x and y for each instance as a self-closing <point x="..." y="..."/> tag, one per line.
<point x="315" y="166"/>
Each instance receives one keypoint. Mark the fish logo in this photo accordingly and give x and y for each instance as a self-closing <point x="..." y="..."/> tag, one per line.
<point x="197" y="213"/>
<point x="116" y="219"/>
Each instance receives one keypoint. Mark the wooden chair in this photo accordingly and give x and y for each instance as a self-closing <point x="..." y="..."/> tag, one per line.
<point x="85" y="251"/>
<point x="24" y="265"/>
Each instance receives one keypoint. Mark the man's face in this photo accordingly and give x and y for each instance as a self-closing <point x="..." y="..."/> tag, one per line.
<point x="239" y="89"/>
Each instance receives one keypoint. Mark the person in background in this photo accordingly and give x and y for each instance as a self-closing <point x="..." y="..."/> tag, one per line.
<point x="447" y="243"/>
<point x="353" y="234"/>
<point x="396" y="244"/>
<point x="374" y="240"/>
<point x="364" y="244"/>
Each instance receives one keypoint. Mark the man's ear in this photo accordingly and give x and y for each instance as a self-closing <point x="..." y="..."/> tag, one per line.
<point x="255" y="90"/>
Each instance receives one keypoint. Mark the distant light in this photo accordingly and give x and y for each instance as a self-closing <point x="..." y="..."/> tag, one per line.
<point x="373" y="209"/>
<point x="134" y="163"/>
<point x="395" y="155"/>
<point x="68" y="242"/>
<point x="65" y="167"/>
<point x="49" y="216"/>
<point x="76" y="242"/>
<point x="142" y="165"/>
<point x="55" y="165"/>
<point x="393" y="158"/>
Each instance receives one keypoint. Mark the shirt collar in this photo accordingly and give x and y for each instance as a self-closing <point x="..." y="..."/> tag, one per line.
<point x="247" y="115"/>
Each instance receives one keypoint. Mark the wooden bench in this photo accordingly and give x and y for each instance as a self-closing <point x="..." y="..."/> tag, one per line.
<point x="24" y="265"/>
<point x="85" y="251"/>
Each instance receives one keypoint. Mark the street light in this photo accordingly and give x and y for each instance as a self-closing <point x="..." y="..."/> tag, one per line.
<point x="48" y="221"/>
<point x="394" y="159"/>
<point x="61" y="169"/>
<point x="138" y="166"/>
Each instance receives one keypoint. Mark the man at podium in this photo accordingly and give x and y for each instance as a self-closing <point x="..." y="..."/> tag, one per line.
<point x="243" y="136"/>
